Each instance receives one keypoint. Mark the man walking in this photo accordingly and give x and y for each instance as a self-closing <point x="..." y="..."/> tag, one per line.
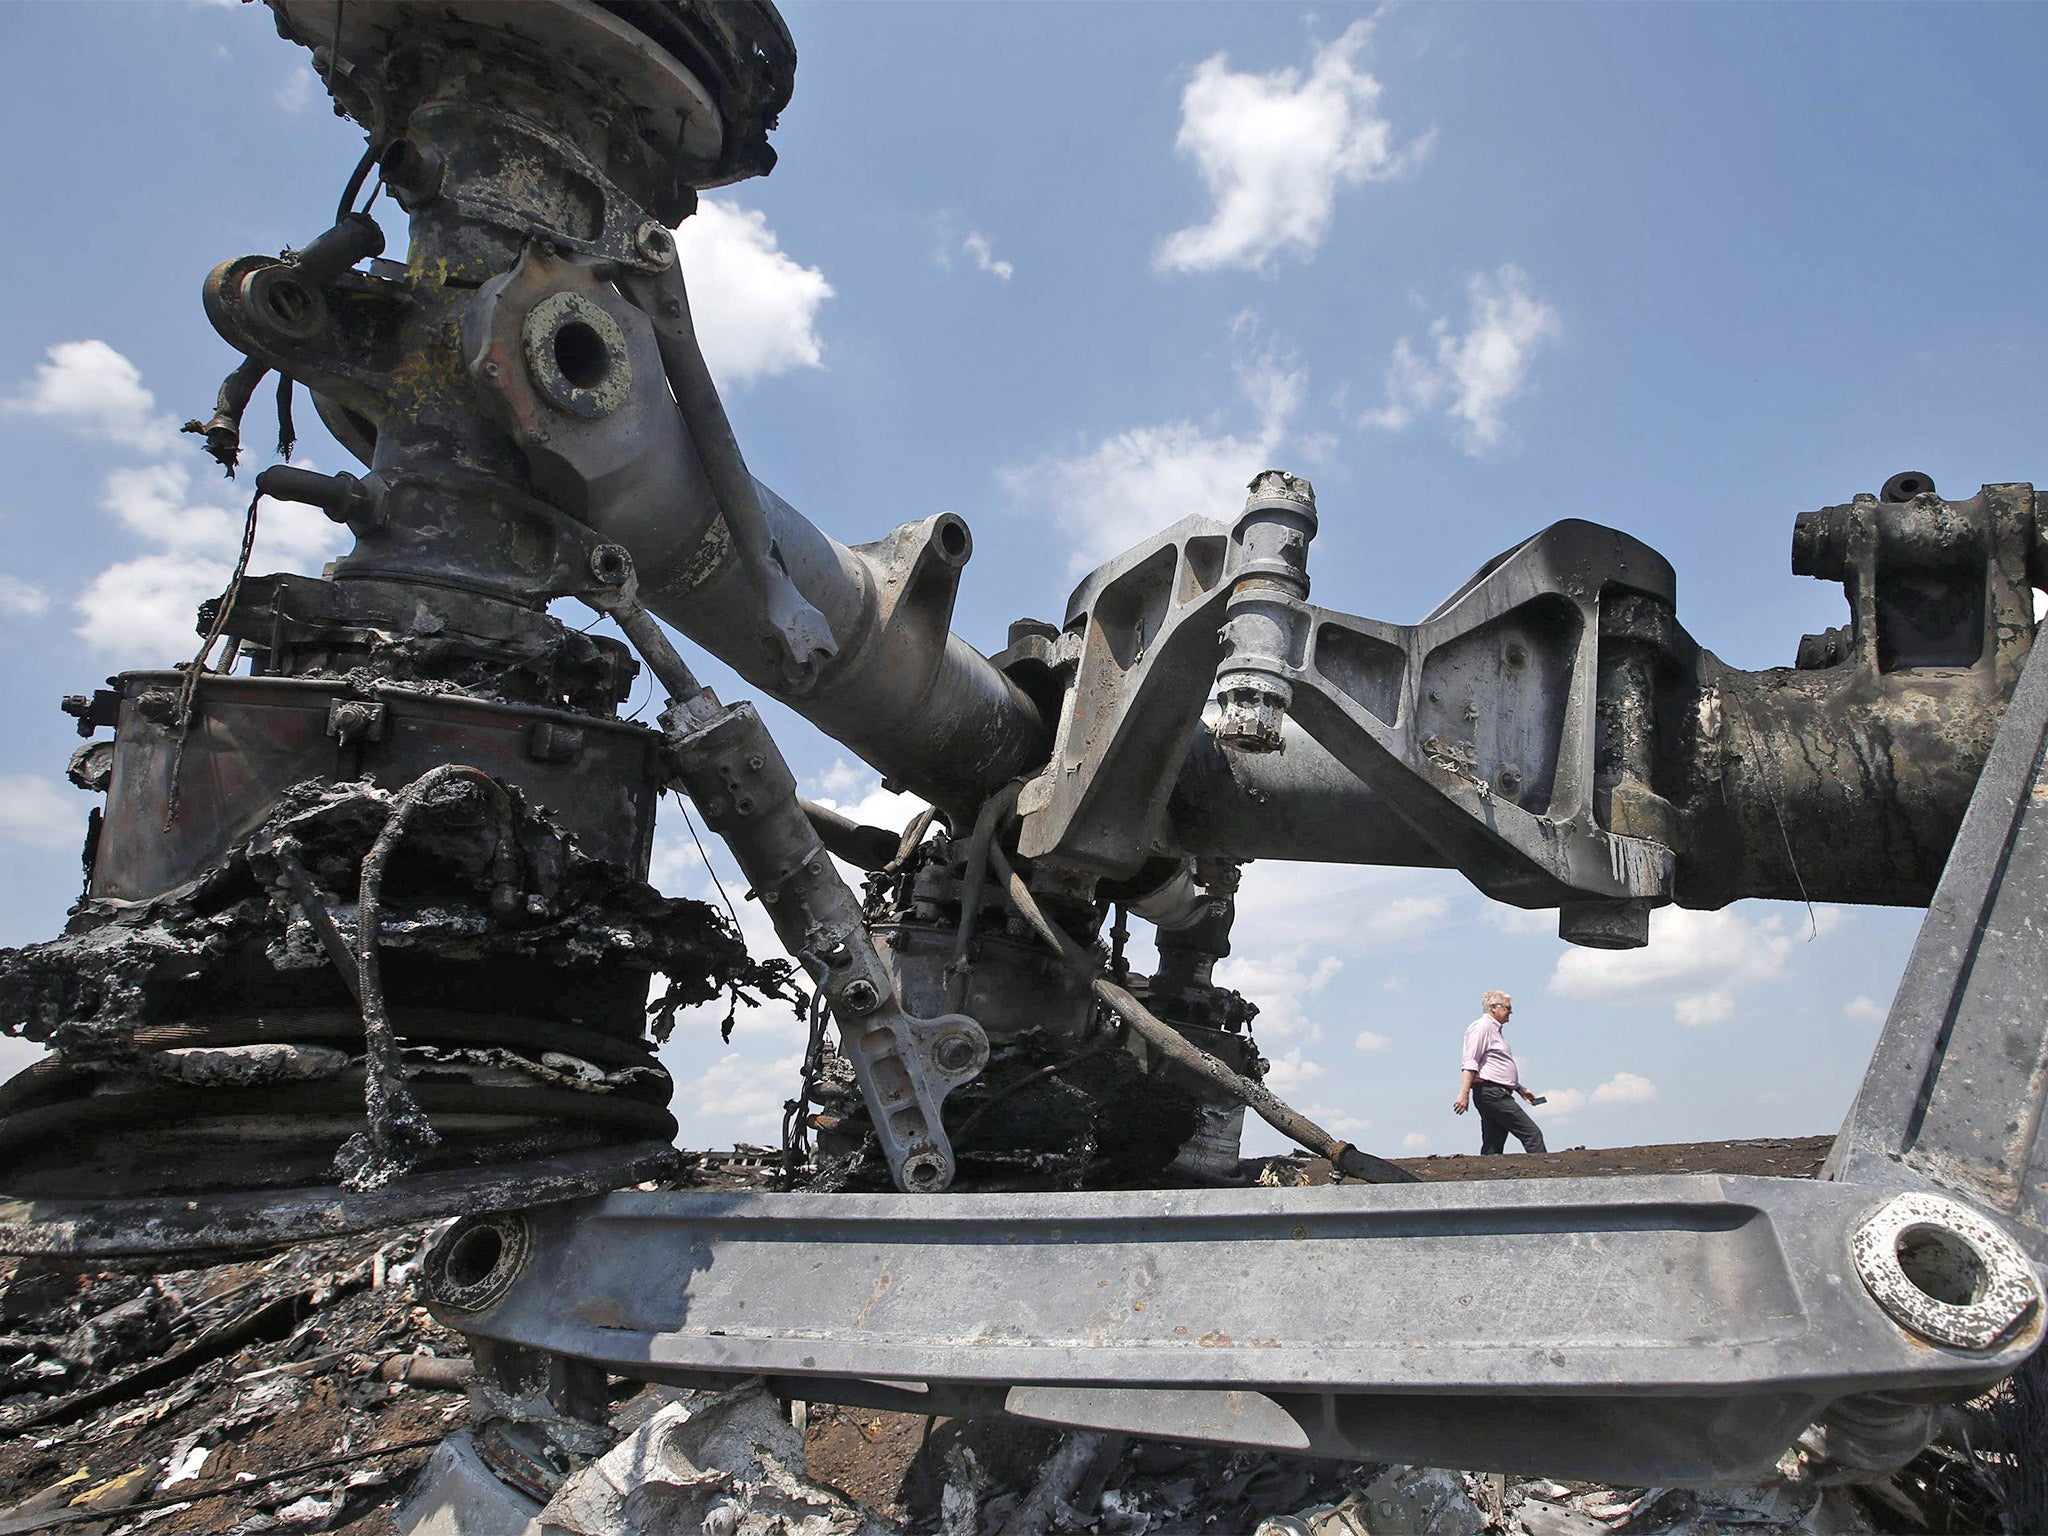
<point x="1490" y="1073"/>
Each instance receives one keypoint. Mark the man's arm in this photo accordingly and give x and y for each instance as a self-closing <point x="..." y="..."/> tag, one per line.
<point x="1463" y="1101"/>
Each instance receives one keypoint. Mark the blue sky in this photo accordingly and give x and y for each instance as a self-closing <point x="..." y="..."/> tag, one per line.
<point x="1075" y="271"/>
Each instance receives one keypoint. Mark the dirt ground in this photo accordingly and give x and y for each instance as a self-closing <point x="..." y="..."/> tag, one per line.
<point x="1776" y="1157"/>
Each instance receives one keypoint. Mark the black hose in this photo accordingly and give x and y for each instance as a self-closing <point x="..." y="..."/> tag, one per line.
<point x="371" y="155"/>
<point x="371" y="1161"/>
<point x="223" y="433"/>
<point x="867" y="847"/>
<point x="912" y="836"/>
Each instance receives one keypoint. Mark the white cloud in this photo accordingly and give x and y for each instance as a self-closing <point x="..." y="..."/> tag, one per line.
<point x="298" y="91"/>
<point x="845" y="779"/>
<point x="737" y="1098"/>
<point x="1281" y="981"/>
<point x="1300" y="926"/>
<point x="1288" y="1074"/>
<point x="1864" y="1010"/>
<point x="22" y="599"/>
<point x="1404" y="917"/>
<point x="675" y="857"/>
<point x="1696" y="1010"/>
<point x="40" y="812"/>
<point x="1330" y="908"/>
<point x="1415" y="1141"/>
<point x="1519" y="920"/>
<point x="1625" y="1088"/>
<point x="89" y="387"/>
<point x="142" y="608"/>
<point x="1477" y="372"/>
<point x="755" y="308"/>
<point x="855" y="791"/>
<point x="1714" y="952"/>
<point x="1273" y="149"/>
<point x="985" y="259"/>
<point x="1131" y="484"/>
<point x="1339" y="1124"/>
<point x="1622" y="1088"/>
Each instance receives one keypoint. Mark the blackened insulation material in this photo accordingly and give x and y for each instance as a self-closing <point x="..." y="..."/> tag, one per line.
<point x="574" y="941"/>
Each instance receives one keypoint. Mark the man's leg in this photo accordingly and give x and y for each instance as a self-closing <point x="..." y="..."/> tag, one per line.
<point x="1518" y="1120"/>
<point x="1489" y="1100"/>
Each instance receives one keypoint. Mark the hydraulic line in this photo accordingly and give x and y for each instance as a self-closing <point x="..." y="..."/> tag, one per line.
<point x="373" y="1159"/>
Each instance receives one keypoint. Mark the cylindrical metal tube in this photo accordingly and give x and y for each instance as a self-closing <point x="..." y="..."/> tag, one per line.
<point x="1297" y="803"/>
<point x="1830" y="786"/>
<point x="917" y="702"/>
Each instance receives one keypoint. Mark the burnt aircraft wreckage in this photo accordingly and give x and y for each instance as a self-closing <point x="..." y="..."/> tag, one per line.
<point x="368" y="937"/>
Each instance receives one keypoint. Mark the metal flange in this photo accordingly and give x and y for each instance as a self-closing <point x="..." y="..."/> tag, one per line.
<point x="1943" y="1271"/>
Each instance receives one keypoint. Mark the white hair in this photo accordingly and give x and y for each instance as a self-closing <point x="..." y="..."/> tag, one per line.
<point x="1491" y="998"/>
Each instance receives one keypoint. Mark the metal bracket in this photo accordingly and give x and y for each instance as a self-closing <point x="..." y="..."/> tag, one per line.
<point x="724" y="758"/>
<point x="1476" y="727"/>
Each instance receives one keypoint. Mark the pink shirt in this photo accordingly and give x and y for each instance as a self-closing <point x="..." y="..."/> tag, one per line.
<point x="1487" y="1053"/>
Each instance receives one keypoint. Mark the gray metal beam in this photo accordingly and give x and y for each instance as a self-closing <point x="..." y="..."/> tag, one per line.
<point x="1956" y="1087"/>
<point x="1669" y="1327"/>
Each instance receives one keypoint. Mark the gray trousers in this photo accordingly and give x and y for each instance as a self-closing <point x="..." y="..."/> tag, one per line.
<point x="1500" y="1115"/>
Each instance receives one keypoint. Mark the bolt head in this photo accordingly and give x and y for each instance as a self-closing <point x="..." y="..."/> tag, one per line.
<point x="655" y="245"/>
<point x="957" y="1053"/>
<point x="611" y="564"/>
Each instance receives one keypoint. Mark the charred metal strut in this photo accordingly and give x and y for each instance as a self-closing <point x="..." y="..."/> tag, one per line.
<point x="723" y="758"/>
